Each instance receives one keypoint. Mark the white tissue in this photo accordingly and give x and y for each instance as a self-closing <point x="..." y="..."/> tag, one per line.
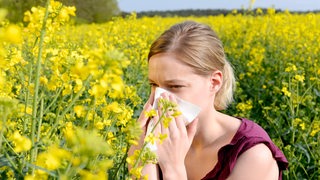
<point x="188" y="111"/>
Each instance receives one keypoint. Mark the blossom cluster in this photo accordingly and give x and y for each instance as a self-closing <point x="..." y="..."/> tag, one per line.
<point x="70" y="95"/>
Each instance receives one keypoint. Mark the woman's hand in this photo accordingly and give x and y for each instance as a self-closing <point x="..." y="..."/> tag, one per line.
<point x="173" y="150"/>
<point x="150" y="169"/>
<point x="143" y="121"/>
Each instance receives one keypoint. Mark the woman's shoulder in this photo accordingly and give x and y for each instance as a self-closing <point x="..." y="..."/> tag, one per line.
<point x="249" y="135"/>
<point x="259" y="158"/>
<point x="251" y="130"/>
<point x="249" y="139"/>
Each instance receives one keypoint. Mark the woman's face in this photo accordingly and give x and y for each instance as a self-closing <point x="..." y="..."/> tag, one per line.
<point x="169" y="73"/>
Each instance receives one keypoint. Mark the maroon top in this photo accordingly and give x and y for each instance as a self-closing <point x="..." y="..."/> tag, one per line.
<point x="248" y="135"/>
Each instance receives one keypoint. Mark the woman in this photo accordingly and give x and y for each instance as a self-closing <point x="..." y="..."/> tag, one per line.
<point x="188" y="60"/>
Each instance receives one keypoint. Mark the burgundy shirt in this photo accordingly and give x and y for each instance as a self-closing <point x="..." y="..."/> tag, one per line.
<point x="248" y="135"/>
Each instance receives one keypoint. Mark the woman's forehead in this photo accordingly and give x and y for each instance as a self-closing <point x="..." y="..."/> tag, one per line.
<point x="169" y="70"/>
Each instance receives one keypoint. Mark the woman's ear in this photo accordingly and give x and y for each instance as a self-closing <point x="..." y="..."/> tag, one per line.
<point x="216" y="80"/>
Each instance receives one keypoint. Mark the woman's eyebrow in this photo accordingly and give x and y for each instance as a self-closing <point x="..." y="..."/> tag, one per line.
<point x="172" y="81"/>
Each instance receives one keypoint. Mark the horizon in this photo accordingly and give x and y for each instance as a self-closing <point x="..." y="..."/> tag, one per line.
<point x="174" y="5"/>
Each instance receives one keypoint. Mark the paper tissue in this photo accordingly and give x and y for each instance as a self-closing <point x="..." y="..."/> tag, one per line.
<point x="189" y="112"/>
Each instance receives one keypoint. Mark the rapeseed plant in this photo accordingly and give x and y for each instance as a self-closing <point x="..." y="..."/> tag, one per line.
<point x="90" y="82"/>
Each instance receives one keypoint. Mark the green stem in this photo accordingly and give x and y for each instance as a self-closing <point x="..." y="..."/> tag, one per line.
<point x="9" y="145"/>
<point x="39" y="125"/>
<point x="53" y="101"/>
<point x="27" y="99"/>
<point x="4" y="117"/>
<point x="76" y="96"/>
<point x="91" y="106"/>
<point x="12" y="163"/>
<point x="145" y="143"/>
<point x="56" y="123"/>
<point x="9" y="158"/>
<point x="122" y="162"/>
<point x="37" y="80"/>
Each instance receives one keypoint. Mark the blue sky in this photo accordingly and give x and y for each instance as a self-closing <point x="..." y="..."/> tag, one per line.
<point x="147" y="5"/>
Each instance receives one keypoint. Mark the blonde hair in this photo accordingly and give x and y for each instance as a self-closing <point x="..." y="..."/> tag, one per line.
<point x="198" y="46"/>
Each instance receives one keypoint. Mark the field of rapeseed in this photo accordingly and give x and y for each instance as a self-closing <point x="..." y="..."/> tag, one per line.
<point x="70" y="95"/>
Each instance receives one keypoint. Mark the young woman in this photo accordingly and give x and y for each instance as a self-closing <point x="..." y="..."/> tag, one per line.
<point x="188" y="60"/>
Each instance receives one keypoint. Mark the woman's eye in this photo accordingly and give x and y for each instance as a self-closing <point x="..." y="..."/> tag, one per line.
<point x="176" y="86"/>
<point x="153" y="85"/>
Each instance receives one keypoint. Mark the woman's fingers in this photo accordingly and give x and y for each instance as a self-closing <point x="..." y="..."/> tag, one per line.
<point x="157" y="129"/>
<point x="143" y="117"/>
<point x="179" y="120"/>
<point x="151" y="98"/>
<point x="173" y="126"/>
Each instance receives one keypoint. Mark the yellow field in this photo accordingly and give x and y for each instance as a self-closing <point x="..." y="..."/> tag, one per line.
<point x="69" y="95"/>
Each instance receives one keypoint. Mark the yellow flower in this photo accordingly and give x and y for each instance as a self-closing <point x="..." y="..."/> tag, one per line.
<point x="29" y="110"/>
<point x="69" y="132"/>
<point x="78" y="85"/>
<point x="22" y="143"/>
<point x="136" y="172"/>
<point x="99" y="125"/>
<point x="291" y="68"/>
<point x="245" y="106"/>
<point x="150" y="113"/>
<point x="79" y="110"/>
<point x="302" y="126"/>
<point x="299" y="78"/>
<point x="92" y="176"/>
<point x="315" y="128"/>
<point x="97" y="91"/>
<point x="176" y="113"/>
<point x="162" y="137"/>
<point x="286" y="92"/>
<point x="30" y="177"/>
<point x="110" y="135"/>
<point x="108" y="122"/>
<point x="43" y="80"/>
<point x="166" y="121"/>
<point x="13" y="34"/>
<point x="296" y="122"/>
<point x="53" y="158"/>
<point x="114" y="107"/>
<point x="151" y="138"/>
<point x="67" y="89"/>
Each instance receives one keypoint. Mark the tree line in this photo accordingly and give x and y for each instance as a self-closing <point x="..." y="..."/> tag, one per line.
<point x="88" y="11"/>
<point x="99" y="11"/>
<point x="210" y="12"/>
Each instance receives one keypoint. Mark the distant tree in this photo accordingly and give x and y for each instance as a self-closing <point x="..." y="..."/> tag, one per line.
<point x="96" y="11"/>
<point x="16" y="8"/>
<point x="88" y="11"/>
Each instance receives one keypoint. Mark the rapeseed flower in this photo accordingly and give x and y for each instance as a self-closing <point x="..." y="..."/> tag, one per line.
<point x="151" y="113"/>
<point x="245" y="106"/>
<point x="286" y="92"/>
<point x="13" y="34"/>
<point x="79" y="110"/>
<point x="52" y="159"/>
<point x="299" y="78"/>
<point x="21" y="143"/>
<point x="315" y="128"/>
<point x="151" y="138"/>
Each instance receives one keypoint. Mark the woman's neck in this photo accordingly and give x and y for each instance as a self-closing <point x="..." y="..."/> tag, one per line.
<point x="214" y="128"/>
